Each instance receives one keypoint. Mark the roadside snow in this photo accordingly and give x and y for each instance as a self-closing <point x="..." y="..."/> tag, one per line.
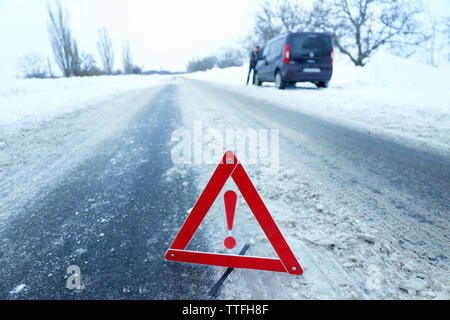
<point x="391" y="96"/>
<point x="40" y="99"/>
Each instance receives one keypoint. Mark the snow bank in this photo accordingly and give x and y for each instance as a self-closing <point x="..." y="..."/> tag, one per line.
<point x="36" y="99"/>
<point x="400" y="98"/>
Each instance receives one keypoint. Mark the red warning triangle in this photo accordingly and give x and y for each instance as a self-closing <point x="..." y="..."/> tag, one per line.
<point x="230" y="166"/>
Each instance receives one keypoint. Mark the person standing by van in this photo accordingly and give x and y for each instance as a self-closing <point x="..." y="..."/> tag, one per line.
<point x="254" y="57"/>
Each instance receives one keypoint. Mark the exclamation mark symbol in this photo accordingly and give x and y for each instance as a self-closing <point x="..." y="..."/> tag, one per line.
<point x="230" y="198"/>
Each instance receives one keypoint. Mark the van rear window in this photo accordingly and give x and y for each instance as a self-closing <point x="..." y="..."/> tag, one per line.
<point x="303" y="45"/>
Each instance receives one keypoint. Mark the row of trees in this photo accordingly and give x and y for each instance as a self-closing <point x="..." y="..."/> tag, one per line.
<point x="228" y="57"/>
<point x="67" y="55"/>
<point x="359" y="27"/>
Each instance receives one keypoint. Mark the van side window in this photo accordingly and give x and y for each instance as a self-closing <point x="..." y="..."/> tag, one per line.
<point x="277" y="48"/>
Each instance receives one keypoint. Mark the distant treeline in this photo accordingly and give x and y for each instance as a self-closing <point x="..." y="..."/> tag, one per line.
<point x="162" y="72"/>
<point x="228" y="57"/>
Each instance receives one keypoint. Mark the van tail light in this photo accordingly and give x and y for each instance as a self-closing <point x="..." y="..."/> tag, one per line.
<point x="286" y="54"/>
<point x="332" y="55"/>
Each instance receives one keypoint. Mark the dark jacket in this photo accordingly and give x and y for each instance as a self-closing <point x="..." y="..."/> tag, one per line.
<point x="254" y="57"/>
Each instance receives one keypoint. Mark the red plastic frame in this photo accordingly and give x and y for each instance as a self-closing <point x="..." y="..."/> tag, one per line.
<point x="231" y="167"/>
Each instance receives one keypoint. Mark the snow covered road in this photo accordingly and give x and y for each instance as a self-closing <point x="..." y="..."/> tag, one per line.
<point x="366" y="216"/>
<point x="101" y="204"/>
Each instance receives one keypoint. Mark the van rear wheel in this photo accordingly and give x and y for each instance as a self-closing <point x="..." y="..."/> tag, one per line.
<point x="322" y="84"/>
<point x="279" y="82"/>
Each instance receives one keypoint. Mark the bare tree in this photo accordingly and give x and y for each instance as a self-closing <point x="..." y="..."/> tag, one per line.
<point x="127" y="59"/>
<point x="321" y="12"/>
<point x="202" y="64"/>
<point x="104" y="46"/>
<point x="266" y="24"/>
<point x="61" y="38"/>
<point x="32" y="66"/>
<point x="75" y="60"/>
<point x="88" y="66"/>
<point x="230" y="57"/>
<point x="447" y="36"/>
<point x="274" y="18"/>
<point x="436" y="49"/>
<point x="429" y="49"/>
<point x="293" y="16"/>
<point x="49" y="69"/>
<point x="361" y="27"/>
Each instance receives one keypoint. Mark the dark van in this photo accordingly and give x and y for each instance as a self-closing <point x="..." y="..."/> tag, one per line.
<point x="296" y="57"/>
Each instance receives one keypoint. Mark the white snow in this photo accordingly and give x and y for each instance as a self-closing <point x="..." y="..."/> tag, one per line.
<point x="404" y="99"/>
<point x="18" y="289"/>
<point x="41" y="99"/>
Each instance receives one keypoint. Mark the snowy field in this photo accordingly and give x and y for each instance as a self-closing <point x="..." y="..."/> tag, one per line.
<point x="400" y="98"/>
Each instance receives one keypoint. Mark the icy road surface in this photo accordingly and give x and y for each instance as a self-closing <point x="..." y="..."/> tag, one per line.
<point x="111" y="213"/>
<point x="367" y="217"/>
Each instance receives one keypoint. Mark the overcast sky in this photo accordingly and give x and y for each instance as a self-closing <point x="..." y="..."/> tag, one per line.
<point x="162" y="33"/>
